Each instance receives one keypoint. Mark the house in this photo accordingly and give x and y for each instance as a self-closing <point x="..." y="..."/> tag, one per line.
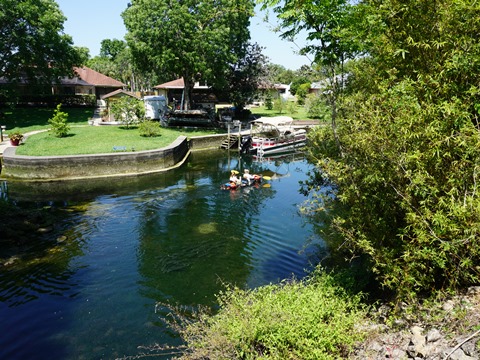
<point x="324" y="86"/>
<point x="88" y="82"/>
<point x="277" y="91"/>
<point x="202" y="95"/>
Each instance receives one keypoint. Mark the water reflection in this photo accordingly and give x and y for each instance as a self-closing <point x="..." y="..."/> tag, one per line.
<point x="120" y="246"/>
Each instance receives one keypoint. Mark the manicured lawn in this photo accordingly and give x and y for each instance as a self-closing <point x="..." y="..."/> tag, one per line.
<point x="29" y="119"/>
<point x="299" y="114"/>
<point x="99" y="139"/>
<point x="83" y="139"/>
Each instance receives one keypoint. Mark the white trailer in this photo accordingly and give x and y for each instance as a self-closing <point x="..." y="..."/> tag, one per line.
<point x="155" y="106"/>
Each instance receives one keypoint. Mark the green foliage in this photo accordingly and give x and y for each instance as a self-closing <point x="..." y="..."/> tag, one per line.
<point x="403" y="160"/>
<point x="269" y="101"/>
<point x="318" y="108"/>
<point x="302" y="92"/>
<point x="32" y="39"/>
<point x="279" y="104"/>
<point x="149" y="128"/>
<point x="58" y="122"/>
<point x="241" y="82"/>
<point x="310" y="319"/>
<point x="292" y="107"/>
<point x="127" y="110"/>
<point x="195" y="40"/>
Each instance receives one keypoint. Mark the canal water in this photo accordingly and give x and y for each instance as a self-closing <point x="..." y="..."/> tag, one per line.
<point x="90" y="288"/>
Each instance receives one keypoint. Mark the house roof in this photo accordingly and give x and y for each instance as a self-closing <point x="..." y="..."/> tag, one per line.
<point x="95" y="78"/>
<point x="119" y="93"/>
<point x="177" y="84"/>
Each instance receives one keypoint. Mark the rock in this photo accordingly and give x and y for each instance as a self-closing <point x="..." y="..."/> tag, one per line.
<point x="398" y="354"/>
<point x="473" y="290"/>
<point x="433" y="335"/>
<point x="448" y="306"/>
<point x="469" y="348"/>
<point x="459" y="354"/>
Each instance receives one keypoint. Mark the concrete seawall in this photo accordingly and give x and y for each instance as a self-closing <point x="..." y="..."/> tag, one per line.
<point x="43" y="168"/>
<point x="54" y="168"/>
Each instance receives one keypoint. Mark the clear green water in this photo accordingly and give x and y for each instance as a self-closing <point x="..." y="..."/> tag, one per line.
<point x="89" y="289"/>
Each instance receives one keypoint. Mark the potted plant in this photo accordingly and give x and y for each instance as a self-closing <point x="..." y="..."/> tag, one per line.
<point x="15" y="138"/>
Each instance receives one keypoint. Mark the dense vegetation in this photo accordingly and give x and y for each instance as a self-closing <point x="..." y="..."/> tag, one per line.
<point x="310" y="319"/>
<point x="400" y="160"/>
<point x="27" y="26"/>
<point x="403" y="159"/>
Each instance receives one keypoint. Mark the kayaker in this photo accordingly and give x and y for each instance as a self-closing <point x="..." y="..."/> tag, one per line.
<point x="250" y="177"/>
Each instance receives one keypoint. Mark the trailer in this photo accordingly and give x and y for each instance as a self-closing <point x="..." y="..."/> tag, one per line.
<point x="155" y="107"/>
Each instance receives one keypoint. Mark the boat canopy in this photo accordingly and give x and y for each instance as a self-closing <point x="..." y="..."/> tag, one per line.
<point x="272" y="126"/>
<point x="277" y="121"/>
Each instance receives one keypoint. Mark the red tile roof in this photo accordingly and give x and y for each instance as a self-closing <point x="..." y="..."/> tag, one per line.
<point x="95" y="78"/>
<point x="174" y="84"/>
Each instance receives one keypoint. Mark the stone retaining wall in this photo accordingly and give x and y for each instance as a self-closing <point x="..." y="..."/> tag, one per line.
<point x="207" y="141"/>
<point x="42" y="168"/>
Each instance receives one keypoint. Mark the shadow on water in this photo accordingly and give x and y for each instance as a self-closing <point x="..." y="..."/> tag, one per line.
<point x="88" y="288"/>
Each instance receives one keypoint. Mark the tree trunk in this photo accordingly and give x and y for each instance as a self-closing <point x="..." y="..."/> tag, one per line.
<point x="187" y="92"/>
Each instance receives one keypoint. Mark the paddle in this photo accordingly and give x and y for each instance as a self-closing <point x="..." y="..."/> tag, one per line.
<point x="266" y="178"/>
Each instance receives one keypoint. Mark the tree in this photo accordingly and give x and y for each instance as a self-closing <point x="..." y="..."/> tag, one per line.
<point x="195" y="40"/>
<point x="406" y="178"/>
<point x="128" y="110"/>
<point x="60" y="128"/>
<point x="32" y="42"/>
<point x="112" y="48"/>
<point x="244" y="76"/>
<point x="332" y="37"/>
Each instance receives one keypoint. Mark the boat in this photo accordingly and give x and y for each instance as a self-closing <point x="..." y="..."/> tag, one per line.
<point x="272" y="135"/>
<point x="255" y="180"/>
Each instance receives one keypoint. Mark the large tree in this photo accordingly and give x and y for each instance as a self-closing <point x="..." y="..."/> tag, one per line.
<point x="32" y="41"/>
<point x="331" y="38"/>
<point x="406" y="179"/>
<point x="196" y="40"/>
<point x="244" y="77"/>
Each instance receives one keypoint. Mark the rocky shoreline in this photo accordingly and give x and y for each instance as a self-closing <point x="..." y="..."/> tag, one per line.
<point x="450" y="330"/>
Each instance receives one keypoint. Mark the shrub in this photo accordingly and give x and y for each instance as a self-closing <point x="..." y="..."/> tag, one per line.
<point x="58" y="122"/>
<point x="268" y="102"/>
<point x="149" y="128"/>
<point x="128" y="110"/>
<point x="317" y="107"/>
<point x="309" y="319"/>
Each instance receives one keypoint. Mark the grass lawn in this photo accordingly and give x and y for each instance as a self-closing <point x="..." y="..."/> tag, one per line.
<point x="98" y="140"/>
<point x="29" y="119"/>
<point x="83" y="139"/>
<point x="299" y="114"/>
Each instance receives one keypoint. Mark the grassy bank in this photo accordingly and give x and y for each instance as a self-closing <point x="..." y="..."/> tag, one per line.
<point x="82" y="139"/>
<point x="298" y="113"/>
<point x="98" y="140"/>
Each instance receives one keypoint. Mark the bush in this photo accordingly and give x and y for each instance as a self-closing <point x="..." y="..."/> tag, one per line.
<point x="58" y="122"/>
<point x="149" y="128"/>
<point x="128" y="110"/>
<point x="309" y="319"/>
<point x="317" y="108"/>
<point x="268" y="102"/>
